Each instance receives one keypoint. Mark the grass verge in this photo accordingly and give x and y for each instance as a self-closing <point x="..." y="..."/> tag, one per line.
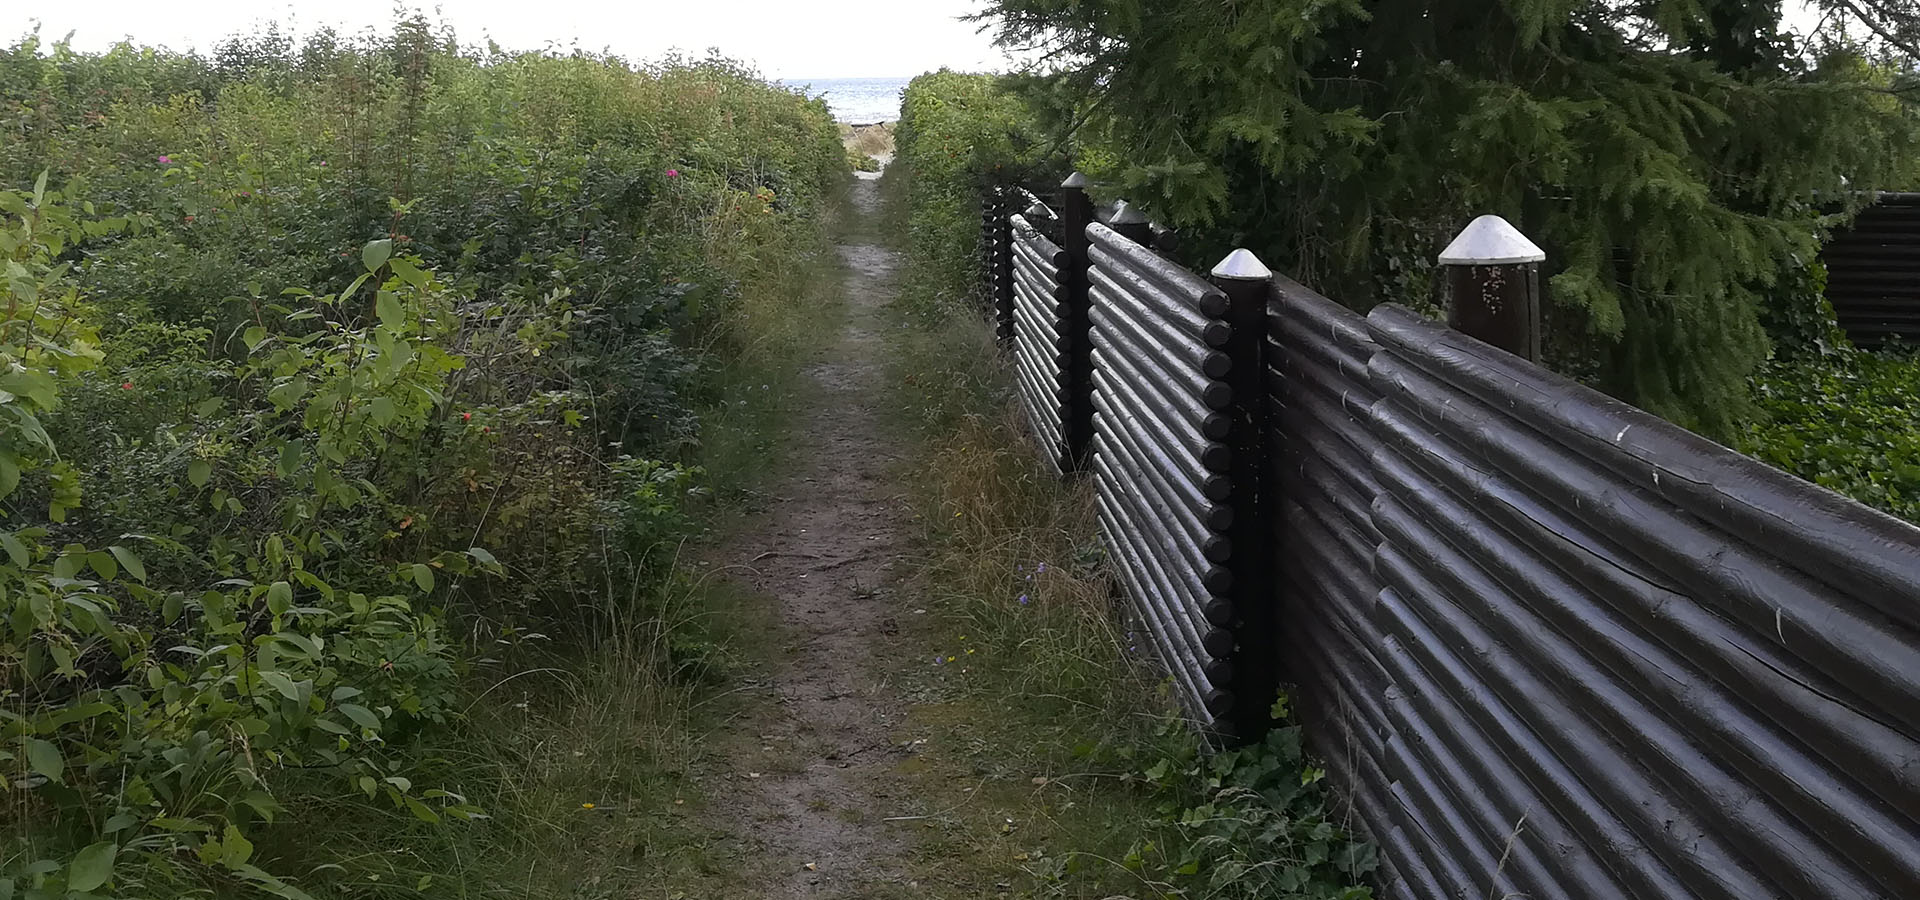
<point x="1053" y="766"/>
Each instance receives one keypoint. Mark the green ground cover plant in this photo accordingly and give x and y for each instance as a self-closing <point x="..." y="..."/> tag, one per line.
<point x="1072" y="777"/>
<point x="357" y="397"/>
<point x="1844" y="420"/>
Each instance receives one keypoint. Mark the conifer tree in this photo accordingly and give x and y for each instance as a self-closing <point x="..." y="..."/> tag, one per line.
<point x="1679" y="159"/>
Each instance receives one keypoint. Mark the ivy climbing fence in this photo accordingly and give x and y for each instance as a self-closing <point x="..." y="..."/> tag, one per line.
<point x="1549" y="645"/>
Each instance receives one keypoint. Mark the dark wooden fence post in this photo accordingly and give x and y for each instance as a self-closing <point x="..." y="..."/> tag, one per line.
<point x="1248" y="284"/>
<point x="1132" y="224"/>
<point x="1493" y="277"/>
<point x="1003" y="265"/>
<point x="1076" y="213"/>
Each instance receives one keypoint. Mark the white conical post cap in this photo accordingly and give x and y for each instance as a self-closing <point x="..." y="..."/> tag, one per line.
<point x="1125" y="214"/>
<point x="1076" y="180"/>
<point x="1242" y="265"/>
<point x="1490" y="241"/>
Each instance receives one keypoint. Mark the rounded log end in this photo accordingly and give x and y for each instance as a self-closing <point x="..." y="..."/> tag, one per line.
<point x="1216" y="426"/>
<point x="1219" y="703"/>
<point x="1216" y="457"/>
<point x="1218" y="611"/>
<point x="1219" y="673"/>
<point x="1217" y="549"/>
<point x="1217" y="395"/>
<point x="1216" y="364"/>
<point x="1217" y="487"/>
<point x="1218" y="642"/>
<point x="1212" y="303"/>
<point x="1216" y="334"/>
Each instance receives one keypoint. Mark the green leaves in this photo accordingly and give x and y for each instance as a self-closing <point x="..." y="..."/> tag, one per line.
<point x="92" y="867"/>
<point x="376" y="253"/>
<point x="387" y="306"/>
<point x="43" y="758"/>
<point x="281" y="452"/>
<point x="423" y="577"/>
<point x="361" y="716"/>
<point x="297" y="691"/>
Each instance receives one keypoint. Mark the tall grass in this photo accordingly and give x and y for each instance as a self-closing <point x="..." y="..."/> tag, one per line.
<point x="1084" y="780"/>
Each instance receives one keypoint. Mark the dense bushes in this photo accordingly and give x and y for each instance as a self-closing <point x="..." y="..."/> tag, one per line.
<point x="329" y="370"/>
<point x="957" y="134"/>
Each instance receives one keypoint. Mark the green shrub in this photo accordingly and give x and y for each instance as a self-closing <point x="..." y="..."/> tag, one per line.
<point x="1845" y="420"/>
<point x="331" y="371"/>
<point x="957" y="135"/>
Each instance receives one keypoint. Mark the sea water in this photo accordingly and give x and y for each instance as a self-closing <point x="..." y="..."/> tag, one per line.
<point x="856" y="101"/>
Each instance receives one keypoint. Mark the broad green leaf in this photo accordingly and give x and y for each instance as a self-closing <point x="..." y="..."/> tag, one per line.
<point x="306" y="646"/>
<point x="16" y="550"/>
<point x="484" y="556"/>
<point x="235" y="849"/>
<point x="92" y="866"/>
<point x="291" y="453"/>
<point x="287" y="687"/>
<point x="279" y="597"/>
<point x="44" y="758"/>
<point x="408" y="272"/>
<point x="288" y="391"/>
<point x="376" y="253"/>
<point x="253" y="337"/>
<point x="420" y="810"/>
<point x="104" y="563"/>
<point x="423" y="576"/>
<point x="392" y="314"/>
<point x="361" y="716"/>
<point x="9" y="474"/>
<point x="129" y="562"/>
<point x="382" y="411"/>
<point x="198" y="472"/>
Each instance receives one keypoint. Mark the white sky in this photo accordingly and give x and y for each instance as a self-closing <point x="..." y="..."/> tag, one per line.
<point x="783" y="38"/>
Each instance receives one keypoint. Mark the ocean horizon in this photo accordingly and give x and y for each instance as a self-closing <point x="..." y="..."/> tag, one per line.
<point x="856" y="101"/>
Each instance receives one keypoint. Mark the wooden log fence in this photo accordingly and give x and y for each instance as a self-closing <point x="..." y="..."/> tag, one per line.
<point x="1549" y="645"/>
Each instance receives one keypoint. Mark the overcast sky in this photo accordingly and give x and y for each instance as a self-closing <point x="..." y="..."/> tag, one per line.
<point x="783" y="38"/>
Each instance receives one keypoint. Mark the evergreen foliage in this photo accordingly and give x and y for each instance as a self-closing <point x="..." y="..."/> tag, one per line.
<point x="1675" y="158"/>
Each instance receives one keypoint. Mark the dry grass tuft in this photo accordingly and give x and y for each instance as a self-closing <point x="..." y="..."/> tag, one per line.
<point x="870" y="140"/>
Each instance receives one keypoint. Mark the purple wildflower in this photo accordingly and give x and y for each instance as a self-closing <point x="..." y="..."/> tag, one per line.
<point x="166" y="160"/>
<point x="1023" y="599"/>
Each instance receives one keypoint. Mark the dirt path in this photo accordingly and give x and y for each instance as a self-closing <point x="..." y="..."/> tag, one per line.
<point x="813" y="761"/>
